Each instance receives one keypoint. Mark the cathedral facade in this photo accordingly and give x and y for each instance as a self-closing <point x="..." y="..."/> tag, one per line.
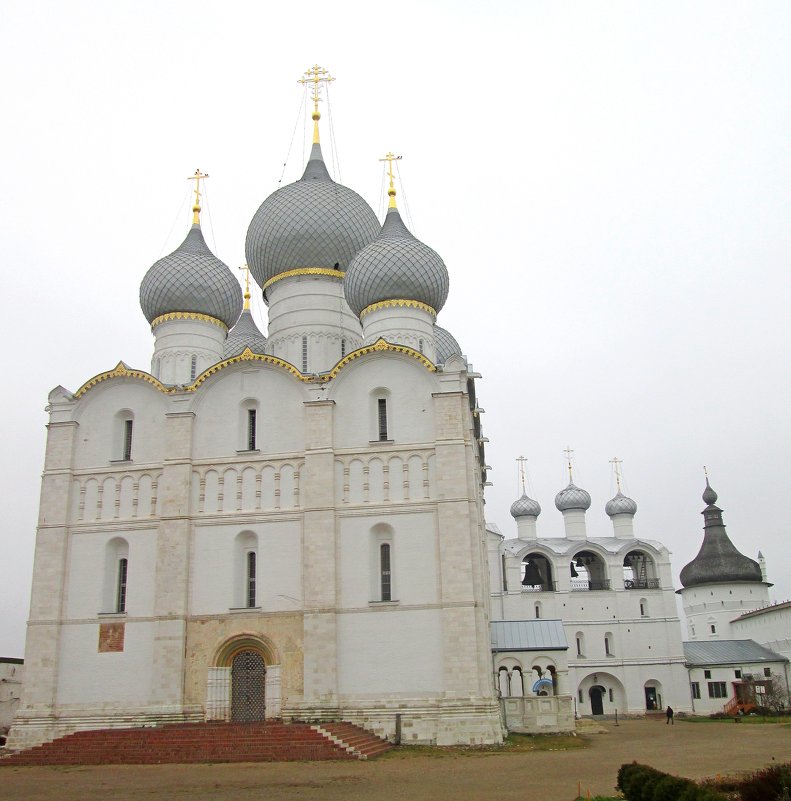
<point x="288" y="526"/>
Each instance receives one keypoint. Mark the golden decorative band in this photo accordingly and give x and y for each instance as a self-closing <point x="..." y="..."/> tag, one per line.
<point x="121" y="371"/>
<point x="412" y="304"/>
<point x="379" y="346"/>
<point x="164" y="318"/>
<point x="304" y="271"/>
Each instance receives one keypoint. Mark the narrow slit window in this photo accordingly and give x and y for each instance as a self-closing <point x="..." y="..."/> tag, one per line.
<point x="304" y="354"/>
<point x="251" y="421"/>
<point x="251" y="568"/>
<point x="382" y="411"/>
<point x="193" y="367"/>
<point x="127" y="454"/>
<point x="120" y="597"/>
<point x="607" y="646"/>
<point x="343" y="348"/>
<point x="420" y="345"/>
<point x="384" y="565"/>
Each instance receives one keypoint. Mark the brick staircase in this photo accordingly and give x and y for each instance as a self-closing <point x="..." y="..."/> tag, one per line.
<point x="205" y="742"/>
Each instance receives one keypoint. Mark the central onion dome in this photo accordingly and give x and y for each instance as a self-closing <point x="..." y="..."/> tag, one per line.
<point x="572" y="497"/>
<point x="313" y="222"/>
<point x="191" y="279"/>
<point x="396" y="266"/>
<point x="525" y="507"/>
<point x="446" y="345"/>
<point x="620" y="505"/>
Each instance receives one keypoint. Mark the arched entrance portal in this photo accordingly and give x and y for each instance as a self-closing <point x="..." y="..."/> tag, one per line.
<point x="243" y="683"/>
<point x="597" y="703"/>
<point x="248" y="686"/>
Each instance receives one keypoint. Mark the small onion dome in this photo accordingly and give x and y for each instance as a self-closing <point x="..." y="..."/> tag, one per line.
<point x="572" y="498"/>
<point x="191" y="279"/>
<point x="525" y="507"/>
<point x="244" y="334"/>
<point x="313" y="222"/>
<point x="446" y="345"/>
<point x="709" y="496"/>
<point x="396" y="266"/>
<point x="620" y="505"/>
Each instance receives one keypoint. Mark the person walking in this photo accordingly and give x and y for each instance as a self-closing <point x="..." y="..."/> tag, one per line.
<point x="669" y="714"/>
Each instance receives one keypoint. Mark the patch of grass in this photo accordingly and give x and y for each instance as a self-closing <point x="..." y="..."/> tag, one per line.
<point x="752" y="720"/>
<point x="514" y="744"/>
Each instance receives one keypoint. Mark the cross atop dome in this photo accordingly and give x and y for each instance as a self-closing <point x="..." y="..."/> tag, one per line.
<point x="196" y="207"/>
<point x="316" y="75"/>
<point x="521" y="462"/>
<point x="616" y="463"/>
<point x="390" y="158"/>
<point x="568" y="450"/>
<point x="246" y="285"/>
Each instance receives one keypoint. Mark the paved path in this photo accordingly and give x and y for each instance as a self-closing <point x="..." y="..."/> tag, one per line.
<point x="688" y="749"/>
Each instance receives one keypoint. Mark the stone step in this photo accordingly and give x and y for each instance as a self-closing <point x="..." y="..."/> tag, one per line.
<point x="207" y="742"/>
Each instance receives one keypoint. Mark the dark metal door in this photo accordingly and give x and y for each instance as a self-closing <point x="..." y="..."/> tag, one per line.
<point x="597" y="707"/>
<point x="248" y="674"/>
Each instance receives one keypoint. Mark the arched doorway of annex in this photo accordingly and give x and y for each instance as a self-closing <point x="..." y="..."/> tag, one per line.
<point x="600" y="694"/>
<point x="653" y="695"/>
<point x="244" y="680"/>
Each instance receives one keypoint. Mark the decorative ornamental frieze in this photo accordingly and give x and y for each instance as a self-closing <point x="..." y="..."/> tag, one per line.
<point x="164" y="318"/>
<point x="121" y="371"/>
<point x="304" y="271"/>
<point x="387" y="304"/>
<point x="379" y="346"/>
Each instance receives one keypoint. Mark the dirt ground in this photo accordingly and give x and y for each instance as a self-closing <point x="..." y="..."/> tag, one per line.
<point x="687" y="749"/>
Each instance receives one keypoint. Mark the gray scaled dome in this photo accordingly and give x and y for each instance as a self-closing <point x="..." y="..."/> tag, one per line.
<point x="244" y="334"/>
<point x="446" y="345"/>
<point x="396" y="266"/>
<point x="313" y="222"/>
<point x="191" y="279"/>
<point x="525" y="507"/>
<point x="572" y="497"/>
<point x="718" y="560"/>
<point x="620" y="505"/>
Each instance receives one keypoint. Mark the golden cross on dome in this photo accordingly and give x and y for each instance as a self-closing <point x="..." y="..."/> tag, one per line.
<point x="390" y="158"/>
<point x="196" y="208"/>
<point x="568" y="451"/>
<point x="616" y="463"/>
<point x="246" y="285"/>
<point x="316" y="75"/>
<point x="521" y="461"/>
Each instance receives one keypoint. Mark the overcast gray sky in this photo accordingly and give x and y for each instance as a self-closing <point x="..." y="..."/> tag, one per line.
<point x="609" y="184"/>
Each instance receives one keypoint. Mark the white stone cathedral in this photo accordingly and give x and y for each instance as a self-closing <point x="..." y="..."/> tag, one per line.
<point x="291" y="526"/>
<point x="287" y="526"/>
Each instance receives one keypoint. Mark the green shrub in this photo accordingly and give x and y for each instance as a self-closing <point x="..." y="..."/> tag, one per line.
<point x="768" y="784"/>
<point x="644" y="783"/>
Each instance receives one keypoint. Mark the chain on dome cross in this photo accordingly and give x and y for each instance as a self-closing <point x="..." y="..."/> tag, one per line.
<point x="390" y="158"/>
<point x="196" y="208"/>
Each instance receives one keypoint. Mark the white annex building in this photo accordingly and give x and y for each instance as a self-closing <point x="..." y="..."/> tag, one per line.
<point x="291" y="525"/>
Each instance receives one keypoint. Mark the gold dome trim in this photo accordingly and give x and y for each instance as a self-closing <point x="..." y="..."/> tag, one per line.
<point x="387" y="304"/>
<point x="121" y="371"/>
<point x="379" y="346"/>
<point x="247" y="355"/>
<point x="304" y="271"/>
<point x="164" y="318"/>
